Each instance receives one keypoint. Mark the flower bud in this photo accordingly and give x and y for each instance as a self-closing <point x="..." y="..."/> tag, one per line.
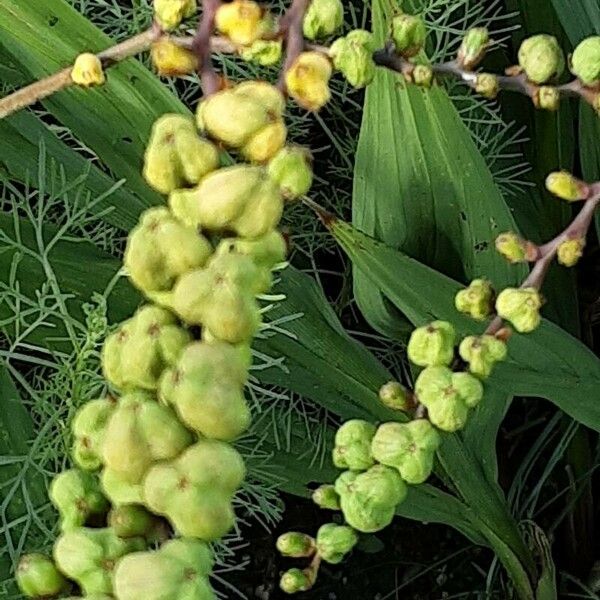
<point x="570" y="252"/>
<point x="585" y="62"/>
<point x="448" y="396"/>
<point x="487" y="85"/>
<point x="547" y="98"/>
<point x="473" y="48"/>
<point x="296" y="545"/>
<point x="521" y="307"/>
<point x="307" y="80"/>
<point x="541" y="58"/>
<point x="422" y="75"/>
<point x="265" y="53"/>
<point x="409" y="447"/>
<point x="482" y="353"/>
<point x="294" y="581"/>
<point x="170" y="13"/>
<point x="335" y="541"/>
<point x="394" y="396"/>
<point x="38" y="577"/>
<point x="353" y="445"/>
<point x="515" y="249"/>
<point x="323" y="18"/>
<point x="353" y="57"/>
<point x="476" y="300"/>
<point x="242" y="21"/>
<point x="567" y="187"/>
<point x="87" y="70"/>
<point x="408" y="34"/>
<point x="291" y="169"/>
<point x="326" y="497"/>
<point x="432" y="344"/>
<point x="171" y="59"/>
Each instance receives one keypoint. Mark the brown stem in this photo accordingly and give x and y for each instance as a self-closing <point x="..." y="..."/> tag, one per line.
<point x="292" y="27"/>
<point x="211" y="82"/>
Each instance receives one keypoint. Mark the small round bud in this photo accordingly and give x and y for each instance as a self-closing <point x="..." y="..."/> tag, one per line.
<point x="87" y="70"/>
<point x="521" y="307"/>
<point x="570" y="252"/>
<point x="335" y="541"/>
<point x="294" y="581"/>
<point x="541" y="58"/>
<point x="547" y="98"/>
<point x="170" y="13"/>
<point x="422" y="75"/>
<point x="585" y="62"/>
<point x="482" y="353"/>
<point x="171" y="59"/>
<point x="567" y="187"/>
<point x="307" y="80"/>
<point x="38" y="577"/>
<point x="487" y="85"/>
<point x="265" y="53"/>
<point x="326" y="497"/>
<point x="432" y="344"/>
<point x="131" y="520"/>
<point x="395" y="396"/>
<point x="291" y="169"/>
<point x="476" y="300"/>
<point x="323" y="18"/>
<point x="296" y="545"/>
<point x="242" y="21"/>
<point x="353" y="445"/>
<point x="473" y="48"/>
<point x="408" y="33"/>
<point x="353" y="57"/>
<point x="515" y="249"/>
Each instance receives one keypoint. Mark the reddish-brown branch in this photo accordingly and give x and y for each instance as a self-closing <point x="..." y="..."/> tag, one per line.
<point x="211" y="82"/>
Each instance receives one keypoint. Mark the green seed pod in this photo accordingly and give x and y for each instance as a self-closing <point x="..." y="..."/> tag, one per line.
<point x="408" y="34"/>
<point x="353" y="57"/>
<point x="194" y="492"/>
<point x="140" y="433"/>
<point x="323" y="18"/>
<point x="345" y="482"/>
<point x="294" y="581"/>
<point x="353" y="445"/>
<point x="266" y="251"/>
<point x="409" y="447"/>
<point x="541" y="58"/>
<point x="548" y="98"/>
<point x="585" y="62"/>
<point x="118" y="490"/>
<point x="432" y="344"/>
<point x="132" y="520"/>
<point x="247" y="117"/>
<point x="170" y="13"/>
<point x="366" y="518"/>
<point x="521" y="307"/>
<point x="88" y="428"/>
<point x="242" y="199"/>
<point x="176" y="156"/>
<point x="89" y="556"/>
<point x="37" y="577"/>
<point x="473" y="48"/>
<point x="161" y="249"/>
<point x="179" y="569"/>
<point x="422" y="75"/>
<point x="380" y="485"/>
<point x="265" y="53"/>
<point x="142" y="348"/>
<point x="326" y="497"/>
<point x="514" y="248"/>
<point x="476" y="300"/>
<point x="482" y="353"/>
<point x="291" y="170"/>
<point x="448" y="396"/>
<point x="307" y="80"/>
<point x="78" y="498"/>
<point x="487" y="85"/>
<point x="567" y="187"/>
<point x="570" y="252"/>
<point x="335" y="541"/>
<point x="296" y="545"/>
<point x="395" y="396"/>
<point x="206" y="389"/>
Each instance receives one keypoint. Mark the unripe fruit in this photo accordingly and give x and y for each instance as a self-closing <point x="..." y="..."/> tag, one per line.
<point x="394" y="396"/>
<point x="335" y="541"/>
<point x="266" y="251"/>
<point x="448" y="396"/>
<point x="291" y="170"/>
<point x="307" y="80"/>
<point x="567" y="187"/>
<point x="118" y="490"/>
<point x="87" y="70"/>
<point x="432" y="344"/>
<point x="170" y="13"/>
<point x="422" y="75"/>
<point x="326" y="497"/>
<point x="178" y="570"/>
<point x="89" y="557"/>
<point x="353" y="445"/>
<point x="294" y="581"/>
<point x="585" y="62"/>
<point x="408" y="33"/>
<point x="476" y="300"/>
<point x="521" y="307"/>
<point x="171" y="59"/>
<point x="353" y="57"/>
<point x="345" y="482"/>
<point x="487" y="85"/>
<point x="570" y="252"/>
<point x="160" y="249"/>
<point x="296" y="545"/>
<point x="206" y="389"/>
<point x="37" y="576"/>
<point x="265" y="53"/>
<point x="473" y="48"/>
<point x="242" y="21"/>
<point x="132" y="520"/>
<point x="482" y="353"/>
<point x="548" y="98"/>
<point x="78" y="497"/>
<point x="194" y="492"/>
<point x="541" y="58"/>
<point x="142" y="348"/>
<point x="515" y="249"/>
<point x="323" y="18"/>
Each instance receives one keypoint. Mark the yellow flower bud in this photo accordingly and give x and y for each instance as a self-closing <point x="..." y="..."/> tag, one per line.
<point x="308" y="78"/>
<point x="242" y="21"/>
<point x="515" y="249"/>
<point x="395" y="396"/>
<point x="422" y="75"/>
<point x="170" y="59"/>
<point x="521" y="307"/>
<point x="87" y="70"/>
<point x="547" y="98"/>
<point x="476" y="300"/>
<point x="571" y="251"/>
<point x="566" y="186"/>
<point x="487" y="85"/>
<point x="170" y="13"/>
